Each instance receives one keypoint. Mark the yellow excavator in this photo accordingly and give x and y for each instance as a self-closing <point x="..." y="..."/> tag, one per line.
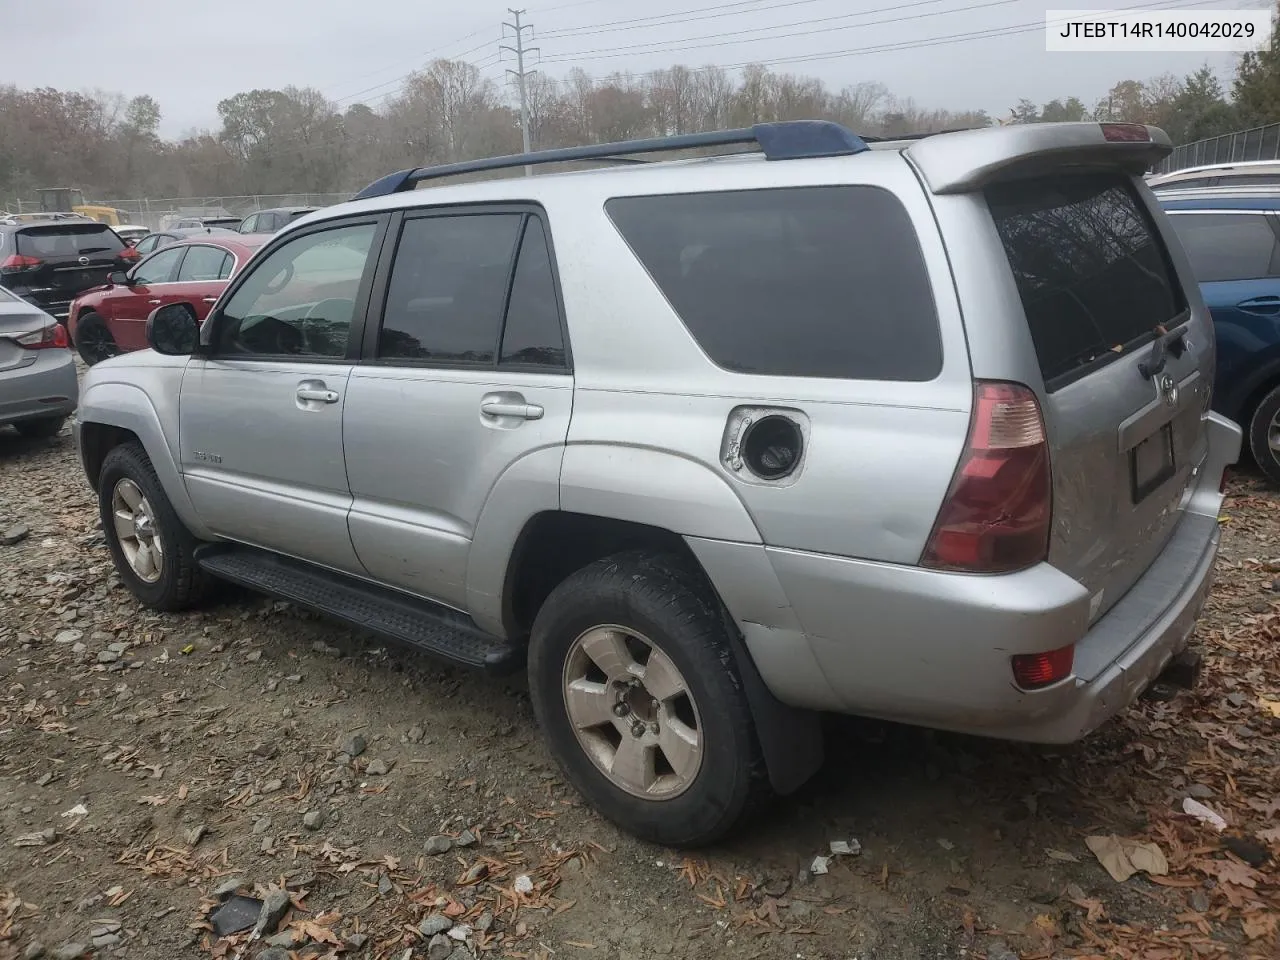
<point x="71" y="200"/>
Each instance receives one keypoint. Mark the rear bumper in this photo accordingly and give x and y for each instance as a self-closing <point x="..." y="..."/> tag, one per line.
<point x="930" y="648"/>
<point x="46" y="388"/>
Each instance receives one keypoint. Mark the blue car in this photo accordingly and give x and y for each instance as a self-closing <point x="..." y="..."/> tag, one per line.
<point x="1232" y="238"/>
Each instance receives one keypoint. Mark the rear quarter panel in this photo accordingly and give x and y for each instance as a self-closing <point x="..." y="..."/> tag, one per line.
<point x="651" y="409"/>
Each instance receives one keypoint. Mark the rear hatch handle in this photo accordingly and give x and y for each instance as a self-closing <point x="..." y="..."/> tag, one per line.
<point x="1164" y="344"/>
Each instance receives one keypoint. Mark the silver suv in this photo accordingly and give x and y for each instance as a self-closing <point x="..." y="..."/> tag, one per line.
<point x="917" y="430"/>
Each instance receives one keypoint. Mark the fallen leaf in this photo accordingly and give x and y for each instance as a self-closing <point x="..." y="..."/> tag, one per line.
<point x="1271" y="706"/>
<point x="1260" y="924"/>
<point x="1230" y="871"/>
<point x="1123" y="858"/>
<point x="1061" y="855"/>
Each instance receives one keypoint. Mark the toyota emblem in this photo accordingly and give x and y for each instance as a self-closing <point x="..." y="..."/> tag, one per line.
<point x="84" y="261"/>
<point x="1168" y="390"/>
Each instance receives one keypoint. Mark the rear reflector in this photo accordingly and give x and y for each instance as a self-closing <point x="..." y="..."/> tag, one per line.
<point x="1034" y="670"/>
<point x="995" y="518"/>
<point x="1125" y="133"/>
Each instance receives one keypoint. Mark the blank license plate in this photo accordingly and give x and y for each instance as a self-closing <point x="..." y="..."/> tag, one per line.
<point x="1151" y="462"/>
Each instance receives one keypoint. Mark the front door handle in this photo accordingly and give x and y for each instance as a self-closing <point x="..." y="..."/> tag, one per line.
<point x="496" y="407"/>
<point x="318" y="394"/>
<point x="209" y="299"/>
<point x="153" y="302"/>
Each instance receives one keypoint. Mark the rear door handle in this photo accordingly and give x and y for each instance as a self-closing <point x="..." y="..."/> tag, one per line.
<point x="153" y="302"/>
<point x="494" y="407"/>
<point x="209" y="299"/>
<point x="318" y="394"/>
<point x="1263" y="305"/>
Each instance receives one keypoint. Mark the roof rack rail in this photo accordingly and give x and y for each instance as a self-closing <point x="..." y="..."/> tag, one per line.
<point x="784" y="140"/>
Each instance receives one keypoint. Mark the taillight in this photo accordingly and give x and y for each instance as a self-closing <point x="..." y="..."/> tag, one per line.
<point x="16" y="263"/>
<point x="129" y="254"/>
<point x="54" y="335"/>
<point x="995" y="518"/>
<point x="1034" y="670"/>
<point x="1126" y="133"/>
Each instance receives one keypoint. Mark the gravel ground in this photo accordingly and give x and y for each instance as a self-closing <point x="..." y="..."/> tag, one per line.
<point x="383" y="806"/>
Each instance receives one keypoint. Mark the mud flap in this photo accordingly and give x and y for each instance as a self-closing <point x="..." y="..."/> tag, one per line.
<point x="790" y="738"/>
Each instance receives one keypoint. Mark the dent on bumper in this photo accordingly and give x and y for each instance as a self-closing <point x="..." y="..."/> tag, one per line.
<point x="931" y="648"/>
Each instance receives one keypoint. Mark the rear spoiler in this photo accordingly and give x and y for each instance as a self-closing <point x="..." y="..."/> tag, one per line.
<point x="961" y="162"/>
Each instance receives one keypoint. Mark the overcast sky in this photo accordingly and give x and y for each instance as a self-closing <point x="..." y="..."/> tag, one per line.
<point x="191" y="55"/>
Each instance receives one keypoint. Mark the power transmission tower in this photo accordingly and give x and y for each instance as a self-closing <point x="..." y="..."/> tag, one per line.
<point x="520" y="73"/>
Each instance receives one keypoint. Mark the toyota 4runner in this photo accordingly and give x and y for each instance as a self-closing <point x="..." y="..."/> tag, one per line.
<point x="918" y="430"/>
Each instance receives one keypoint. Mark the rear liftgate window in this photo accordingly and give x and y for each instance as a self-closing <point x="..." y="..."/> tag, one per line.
<point x="1091" y="269"/>
<point x="797" y="282"/>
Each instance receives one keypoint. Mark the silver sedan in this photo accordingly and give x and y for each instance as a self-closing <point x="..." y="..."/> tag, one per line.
<point x="38" y="384"/>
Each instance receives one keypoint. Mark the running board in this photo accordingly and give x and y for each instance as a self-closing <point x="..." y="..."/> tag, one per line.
<point x="419" y="624"/>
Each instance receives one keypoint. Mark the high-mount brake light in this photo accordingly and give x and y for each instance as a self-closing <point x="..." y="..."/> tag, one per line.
<point x="1126" y="133"/>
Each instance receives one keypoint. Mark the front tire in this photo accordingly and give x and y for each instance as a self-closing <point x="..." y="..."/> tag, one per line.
<point x="634" y="684"/>
<point x="1264" y="436"/>
<point x="94" y="341"/>
<point x="45" y="428"/>
<point x="152" y="549"/>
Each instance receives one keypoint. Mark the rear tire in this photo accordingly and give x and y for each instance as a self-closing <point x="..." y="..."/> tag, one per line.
<point x="94" y="341"/>
<point x="1264" y="425"/>
<point x="44" y="428"/>
<point x="651" y="725"/>
<point x="152" y="549"/>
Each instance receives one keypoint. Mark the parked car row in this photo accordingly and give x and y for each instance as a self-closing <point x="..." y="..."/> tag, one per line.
<point x="536" y="423"/>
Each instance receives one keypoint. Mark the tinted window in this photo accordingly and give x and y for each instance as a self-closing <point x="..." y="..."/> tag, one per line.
<point x="1225" y="246"/>
<point x="69" y="240"/>
<point x="1249" y="179"/>
<point x="805" y="282"/>
<point x="1183" y="184"/>
<point x="448" y="286"/>
<point x="202" y="264"/>
<point x="300" y="300"/>
<point x="1091" y="270"/>
<point x="532" y="333"/>
<point x="158" y="268"/>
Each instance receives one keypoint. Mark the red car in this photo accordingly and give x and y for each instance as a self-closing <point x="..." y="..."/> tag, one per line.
<point x="109" y="320"/>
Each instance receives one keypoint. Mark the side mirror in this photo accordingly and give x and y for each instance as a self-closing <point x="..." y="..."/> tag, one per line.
<point x="173" y="330"/>
<point x="118" y="278"/>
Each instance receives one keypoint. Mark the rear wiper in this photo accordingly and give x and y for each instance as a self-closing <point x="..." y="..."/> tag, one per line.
<point x="1164" y="344"/>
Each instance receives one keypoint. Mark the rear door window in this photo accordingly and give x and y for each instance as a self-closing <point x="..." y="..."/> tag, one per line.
<point x="202" y="264"/>
<point x="69" y="241"/>
<point x="158" y="268"/>
<point x="448" y="288"/>
<point x="1093" y="275"/>
<point x="795" y="282"/>
<point x="1229" y="246"/>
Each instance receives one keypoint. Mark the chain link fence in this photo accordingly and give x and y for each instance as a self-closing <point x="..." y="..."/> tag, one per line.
<point x="159" y="213"/>
<point x="1259" y="143"/>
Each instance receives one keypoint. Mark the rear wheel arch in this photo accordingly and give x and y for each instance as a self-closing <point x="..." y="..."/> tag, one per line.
<point x="555" y="544"/>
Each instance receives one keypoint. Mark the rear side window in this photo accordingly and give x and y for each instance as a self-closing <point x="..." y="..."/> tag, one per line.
<point x="796" y="282"/>
<point x="1092" y="272"/>
<point x="68" y="240"/>
<point x="1228" y="246"/>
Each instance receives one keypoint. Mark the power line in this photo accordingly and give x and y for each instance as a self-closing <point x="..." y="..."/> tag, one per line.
<point x="1008" y="30"/>
<point x="665" y="19"/>
<point x="665" y="46"/>
<point x="404" y="77"/>
<point x="424" y="56"/>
